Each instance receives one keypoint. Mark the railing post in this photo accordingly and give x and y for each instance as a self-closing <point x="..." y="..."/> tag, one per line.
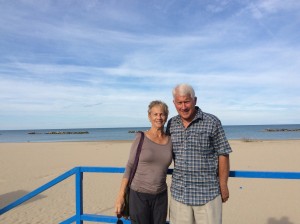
<point x="79" y="198"/>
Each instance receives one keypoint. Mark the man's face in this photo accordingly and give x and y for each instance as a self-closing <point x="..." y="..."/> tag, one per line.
<point x="185" y="106"/>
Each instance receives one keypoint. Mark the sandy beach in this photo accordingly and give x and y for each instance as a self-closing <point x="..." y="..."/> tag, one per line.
<point x="26" y="166"/>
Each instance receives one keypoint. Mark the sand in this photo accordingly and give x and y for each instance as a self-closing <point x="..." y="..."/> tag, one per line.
<point x="26" y="166"/>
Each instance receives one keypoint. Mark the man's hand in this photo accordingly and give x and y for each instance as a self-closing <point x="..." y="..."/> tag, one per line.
<point x="224" y="192"/>
<point x="223" y="176"/>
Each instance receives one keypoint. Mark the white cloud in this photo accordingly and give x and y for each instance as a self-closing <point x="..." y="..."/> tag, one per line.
<point x="102" y="61"/>
<point x="263" y="8"/>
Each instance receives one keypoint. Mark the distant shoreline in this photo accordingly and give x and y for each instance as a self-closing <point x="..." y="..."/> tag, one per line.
<point x="244" y="132"/>
<point x="130" y="141"/>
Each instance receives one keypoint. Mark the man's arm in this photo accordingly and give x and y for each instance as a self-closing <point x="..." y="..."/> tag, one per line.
<point x="224" y="167"/>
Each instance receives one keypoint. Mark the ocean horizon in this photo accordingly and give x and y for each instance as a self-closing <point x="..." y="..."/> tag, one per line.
<point x="233" y="132"/>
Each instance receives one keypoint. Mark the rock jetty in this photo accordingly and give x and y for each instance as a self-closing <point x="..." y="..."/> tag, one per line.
<point x="61" y="132"/>
<point x="66" y="132"/>
<point x="34" y="133"/>
<point x="281" y="129"/>
<point x="133" y="131"/>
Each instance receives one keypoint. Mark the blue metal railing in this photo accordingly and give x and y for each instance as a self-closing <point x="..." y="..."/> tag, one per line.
<point x="80" y="216"/>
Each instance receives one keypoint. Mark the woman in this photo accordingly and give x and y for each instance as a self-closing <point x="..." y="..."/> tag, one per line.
<point x="148" y="200"/>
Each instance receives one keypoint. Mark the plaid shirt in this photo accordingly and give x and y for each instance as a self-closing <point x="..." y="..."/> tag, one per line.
<point x="196" y="149"/>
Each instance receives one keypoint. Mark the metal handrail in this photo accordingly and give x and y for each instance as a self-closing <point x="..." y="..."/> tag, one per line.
<point x="38" y="190"/>
<point x="79" y="217"/>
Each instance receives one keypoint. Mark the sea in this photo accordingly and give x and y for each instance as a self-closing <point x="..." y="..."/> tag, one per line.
<point x="240" y="132"/>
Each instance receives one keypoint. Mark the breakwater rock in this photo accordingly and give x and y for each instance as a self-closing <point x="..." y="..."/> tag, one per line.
<point x="132" y="131"/>
<point x="34" y="133"/>
<point x="61" y="132"/>
<point x="66" y="132"/>
<point x="281" y="129"/>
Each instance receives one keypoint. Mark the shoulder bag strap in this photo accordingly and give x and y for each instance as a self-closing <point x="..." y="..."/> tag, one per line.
<point x="136" y="160"/>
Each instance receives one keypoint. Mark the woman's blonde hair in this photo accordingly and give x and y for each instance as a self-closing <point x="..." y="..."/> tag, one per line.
<point x="163" y="105"/>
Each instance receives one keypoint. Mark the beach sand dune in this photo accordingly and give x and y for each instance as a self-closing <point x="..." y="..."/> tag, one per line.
<point x="26" y="166"/>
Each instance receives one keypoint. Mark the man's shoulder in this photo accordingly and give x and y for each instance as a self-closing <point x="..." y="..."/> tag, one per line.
<point x="210" y="117"/>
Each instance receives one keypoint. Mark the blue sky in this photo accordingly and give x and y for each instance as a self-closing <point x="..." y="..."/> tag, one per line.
<point x="98" y="63"/>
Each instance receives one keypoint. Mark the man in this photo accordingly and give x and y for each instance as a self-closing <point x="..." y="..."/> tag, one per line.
<point x="201" y="162"/>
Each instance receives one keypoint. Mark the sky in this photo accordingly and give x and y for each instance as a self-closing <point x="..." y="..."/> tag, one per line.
<point x="99" y="63"/>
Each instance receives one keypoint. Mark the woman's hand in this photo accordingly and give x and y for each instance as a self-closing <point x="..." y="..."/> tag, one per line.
<point x="120" y="201"/>
<point x="119" y="205"/>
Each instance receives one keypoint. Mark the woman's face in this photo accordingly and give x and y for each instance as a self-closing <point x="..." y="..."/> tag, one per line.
<point x="157" y="117"/>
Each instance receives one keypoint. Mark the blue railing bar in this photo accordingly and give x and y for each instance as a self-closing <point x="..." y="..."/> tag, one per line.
<point x="69" y="220"/>
<point x="79" y="197"/>
<point x="108" y="169"/>
<point x="103" y="218"/>
<point x="79" y="216"/>
<point x="260" y="174"/>
<point x="38" y="190"/>
<point x="89" y="169"/>
<point x="265" y="174"/>
<point x="237" y="173"/>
